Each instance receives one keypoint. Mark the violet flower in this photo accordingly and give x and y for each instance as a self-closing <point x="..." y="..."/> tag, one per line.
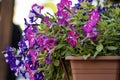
<point x="39" y="76"/>
<point x="45" y="42"/>
<point x="62" y="14"/>
<point x="47" y="21"/>
<point x="80" y="0"/>
<point x="48" y="56"/>
<point x="48" y="60"/>
<point x="33" y="54"/>
<point x="35" y="13"/>
<point x="30" y="35"/>
<point x="84" y="0"/>
<point x="14" y="61"/>
<point x="89" y="27"/>
<point x="77" y="5"/>
<point x="72" y="38"/>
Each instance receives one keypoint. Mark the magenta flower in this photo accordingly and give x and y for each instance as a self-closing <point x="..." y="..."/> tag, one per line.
<point x="45" y="42"/>
<point x="28" y="70"/>
<point x="33" y="54"/>
<point x="49" y="43"/>
<point x="94" y="17"/>
<point x="93" y="34"/>
<point x="40" y="40"/>
<point x="72" y="38"/>
<point x="66" y="3"/>
<point x="30" y="35"/>
<point x="63" y="14"/>
<point x="89" y="27"/>
<point x="47" y="21"/>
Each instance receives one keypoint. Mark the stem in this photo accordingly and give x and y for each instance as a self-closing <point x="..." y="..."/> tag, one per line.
<point x="68" y="10"/>
<point x="82" y="41"/>
<point x="50" y="15"/>
<point x="98" y="3"/>
<point x="64" y="69"/>
<point x="40" y="16"/>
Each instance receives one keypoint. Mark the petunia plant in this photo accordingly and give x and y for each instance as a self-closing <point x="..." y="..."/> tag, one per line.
<point x="80" y="30"/>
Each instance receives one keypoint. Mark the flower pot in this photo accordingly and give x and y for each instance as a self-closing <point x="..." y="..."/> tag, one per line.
<point x="100" y="68"/>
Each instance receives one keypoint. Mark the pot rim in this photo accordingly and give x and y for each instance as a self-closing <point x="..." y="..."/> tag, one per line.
<point x="92" y="58"/>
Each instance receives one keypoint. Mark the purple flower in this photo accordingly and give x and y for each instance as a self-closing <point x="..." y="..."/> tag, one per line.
<point x="35" y="13"/>
<point x="80" y="0"/>
<point x="14" y="62"/>
<point x="89" y="0"/>
<point x="37" y="9"/>
<point x="26" y="23"/>
<point x="28" y="70"/>
<point x="63" y="17"/>
<point x="49" y="43"/>
<point x="84" y="13"/>
<point x="77" y="5"/>
<point x="39" y="76"/>
<point x="63" y="14"/>
<point x="85" y="0"/>
<point x="48" y="60"/>
<point x="32" y="17"/>
<point x="101" y="9"/>
<point x="94" y="16"/>
<point x="72" y="38"/>
<point x="33" y="54"/>
<point x="40" y="40"/>
<point x="22" y="45"/>
<point x="89" y="27"/>
<point x="66" y="3"/>
<point x="45" y="42"/>
<point x="47" y="21"/>
<point x="48" y="56"/>
<point x="93" y="34"/>
<point x="30" y="35"/>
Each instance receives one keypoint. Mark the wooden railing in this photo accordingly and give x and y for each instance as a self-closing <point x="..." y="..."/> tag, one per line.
<point x="6" y="15"/>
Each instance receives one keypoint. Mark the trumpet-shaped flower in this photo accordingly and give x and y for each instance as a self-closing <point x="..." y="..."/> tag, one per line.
<point x="72" y="38"/>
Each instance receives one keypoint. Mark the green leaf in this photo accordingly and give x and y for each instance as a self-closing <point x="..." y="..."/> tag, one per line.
<point x="112" y="25"/>
<point x="111" y="48"/>
<point x="106" y="17"/>
<point x="70" y="49"/>
<point x="68" y="53"/>
<point x="40" y="59"/>
<point x="110" y="20"/>
<point x="67" y="28"/>
<point x="103" y="23"/>
<point x="59" y="46"/>
<point x="75" y="22"/>
<point x="99" y="47"/>
<point x="64" y="52"/>
<point x="64" y="36"/>
<point x="56" y="62"/>
<point x="86" y="56"/>
<point x="117" y="12"/>
<point x="96" y="53"/>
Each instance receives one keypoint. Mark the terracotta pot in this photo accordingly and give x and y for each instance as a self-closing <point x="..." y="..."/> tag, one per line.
<point x="100" y="68"/>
